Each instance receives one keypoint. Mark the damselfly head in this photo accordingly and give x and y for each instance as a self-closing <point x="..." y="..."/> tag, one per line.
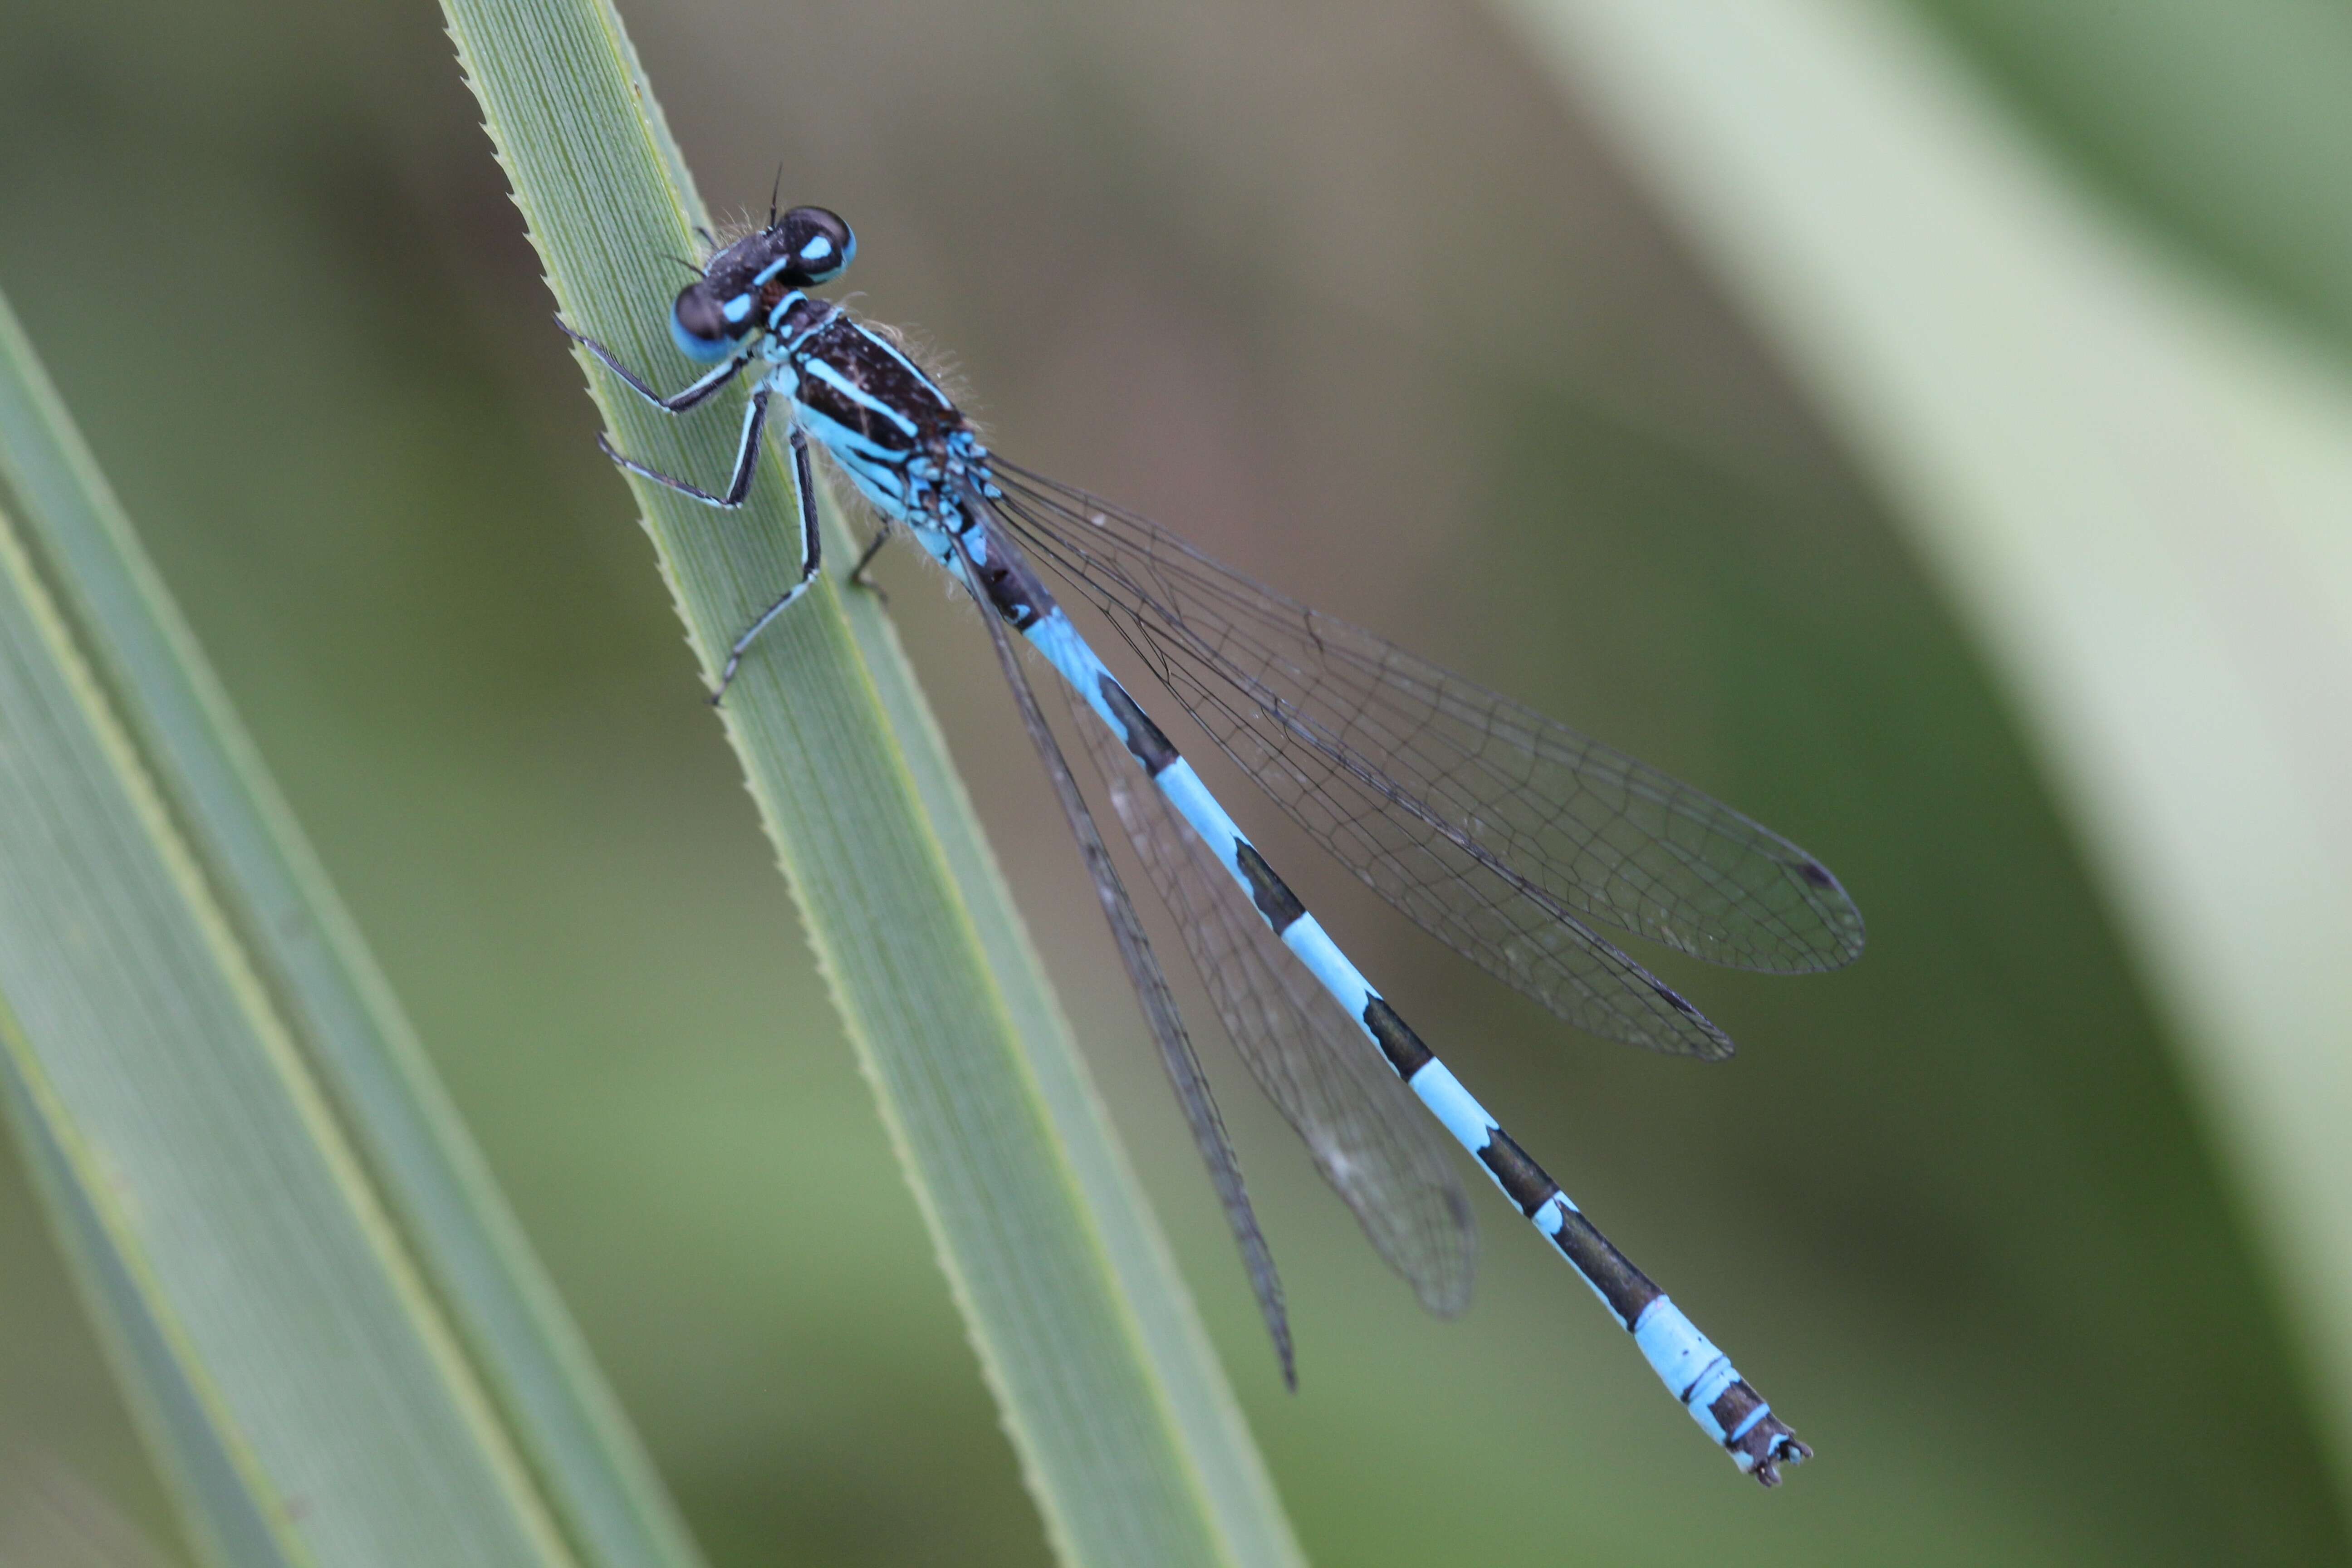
<point x="804" y="248"/>
<point x="818" y="242"/>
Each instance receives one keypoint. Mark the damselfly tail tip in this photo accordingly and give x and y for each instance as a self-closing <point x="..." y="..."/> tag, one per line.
<point x="1766" y="1446"/>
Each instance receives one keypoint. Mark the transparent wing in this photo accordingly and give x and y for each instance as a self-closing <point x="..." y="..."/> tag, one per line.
<point x="1151" y="991"/>
<point x="1376" y="1145"/>
<point x="1496" y="830"/>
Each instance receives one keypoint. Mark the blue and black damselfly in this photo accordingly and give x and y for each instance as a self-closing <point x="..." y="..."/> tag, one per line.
<point x="1501" y="833"/>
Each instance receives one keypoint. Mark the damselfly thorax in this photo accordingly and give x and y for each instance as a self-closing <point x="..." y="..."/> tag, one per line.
<point x="906" y="446"/>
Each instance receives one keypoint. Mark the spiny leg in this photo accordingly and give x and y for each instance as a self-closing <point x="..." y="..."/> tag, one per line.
<point x="857" y="577"/>
<point x="811" y="558"/>
<point x="677" y="402"/>
<point x="738" y="486"/>
<point x="747" y="460"/>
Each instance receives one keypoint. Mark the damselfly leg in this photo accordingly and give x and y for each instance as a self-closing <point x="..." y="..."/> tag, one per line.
<point x="739" y="484"/>
<point x="677" y="402"/>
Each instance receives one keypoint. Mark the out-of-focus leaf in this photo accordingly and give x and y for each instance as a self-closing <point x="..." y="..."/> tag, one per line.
<point x="51" y="1518"/>
<point x="2139" y="493"/>
<point x="327" y="990"/>
<point x="300" y="1383"/>
<point x="2228" y="126"/>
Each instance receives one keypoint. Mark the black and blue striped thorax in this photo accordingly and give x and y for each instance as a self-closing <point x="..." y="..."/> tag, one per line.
<point x="900" y="439"/>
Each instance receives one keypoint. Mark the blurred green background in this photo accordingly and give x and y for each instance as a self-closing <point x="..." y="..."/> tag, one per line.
<point x="1351" y="296"/>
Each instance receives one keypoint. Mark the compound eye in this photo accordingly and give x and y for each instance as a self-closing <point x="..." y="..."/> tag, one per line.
<point x="704" y="326"/>
<point x="819" y="244"/>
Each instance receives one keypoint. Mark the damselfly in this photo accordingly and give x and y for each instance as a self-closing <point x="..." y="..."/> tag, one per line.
<point x="1502" y="834"/>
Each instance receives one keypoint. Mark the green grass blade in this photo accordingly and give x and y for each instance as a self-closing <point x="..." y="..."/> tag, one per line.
<point x="1125" y="1427"/>
<point x="325" y="985"/>
<point x="221" y="1506"/>
<point x="211" y="1183"/>
<point x="2134" y="488"/>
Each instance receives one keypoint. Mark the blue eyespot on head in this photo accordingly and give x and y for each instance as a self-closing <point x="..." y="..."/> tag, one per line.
<point x="815" y="244"/>
<point x="706" y="326"/>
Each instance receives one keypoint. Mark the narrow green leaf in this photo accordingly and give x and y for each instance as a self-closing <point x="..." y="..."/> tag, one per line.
<point x="2136" y="488"/>
<point x="268" y="1312"/>
<point x="325" y="985"/>
<point x="220" y="1506"/>
<point x="1123" y="1422"/>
